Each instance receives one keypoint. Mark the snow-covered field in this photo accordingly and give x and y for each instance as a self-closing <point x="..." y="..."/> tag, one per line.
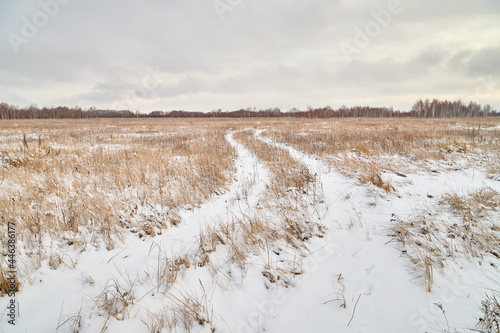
<point x="288" y="236"/>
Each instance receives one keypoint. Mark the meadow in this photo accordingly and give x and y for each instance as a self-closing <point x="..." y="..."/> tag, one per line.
<point x="252" y="225"/>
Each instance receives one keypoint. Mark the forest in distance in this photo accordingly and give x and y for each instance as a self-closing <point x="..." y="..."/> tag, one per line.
<point x="420" y="109"/>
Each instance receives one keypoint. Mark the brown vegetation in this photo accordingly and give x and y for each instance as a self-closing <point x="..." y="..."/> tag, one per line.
<point x="430" y="239"/>
<point x="86" y="182"/>
<point x="368" y="148"/>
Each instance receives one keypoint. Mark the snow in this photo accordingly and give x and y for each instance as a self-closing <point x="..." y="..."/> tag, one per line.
<point x="356" y="264"/>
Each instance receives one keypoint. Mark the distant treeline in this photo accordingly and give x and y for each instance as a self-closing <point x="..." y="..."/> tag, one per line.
<point x="421" y="109"/>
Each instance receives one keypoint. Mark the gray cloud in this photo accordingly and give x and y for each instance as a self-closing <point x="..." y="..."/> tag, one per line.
<point x="177" y="54"/>
<point x="477" y="62"/>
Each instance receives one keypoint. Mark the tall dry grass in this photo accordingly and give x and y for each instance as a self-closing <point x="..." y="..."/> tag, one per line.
<point x="288" y="174"/>
<point x="365" y="148"/>
<point x="86" y="182"/>
<point x="433" y="237"/>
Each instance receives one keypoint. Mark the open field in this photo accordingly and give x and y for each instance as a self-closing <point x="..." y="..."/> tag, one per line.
<point x="251" y="225"/>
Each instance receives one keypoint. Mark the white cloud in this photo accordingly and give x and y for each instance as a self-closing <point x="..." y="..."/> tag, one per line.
<point x="263" y="54"/>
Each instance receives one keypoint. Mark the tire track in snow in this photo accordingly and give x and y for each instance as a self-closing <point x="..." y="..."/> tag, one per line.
<point x="138" y="259"/>
<point x="244" y="194"/>
<point x="357" y="257"/>
<point x="251" y="180"/>
<point x="361" y="265"/>
<point x="316" y="169"/>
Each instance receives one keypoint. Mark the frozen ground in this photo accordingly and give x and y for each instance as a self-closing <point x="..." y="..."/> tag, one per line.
<point x="356" y="278"/>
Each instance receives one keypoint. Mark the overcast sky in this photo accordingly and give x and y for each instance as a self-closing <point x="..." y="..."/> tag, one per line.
<point x="205" y="54"/>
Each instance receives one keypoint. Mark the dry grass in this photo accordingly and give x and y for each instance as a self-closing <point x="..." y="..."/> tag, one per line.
<point x="71" y="323"/>
<point x="279" y="249"/>
<point x="286" y="225"/>
<point x="186" y="309"/>
<point x="86" y="182"/>
<point x="364" y="148"/>
<point x="490" y="322"/>
<point x="7" y="283"/>
<point x="289" y="175"/>
<point x="434" y="236"/>
<point x="115" y="299"/>
<point x="289" y="198"/>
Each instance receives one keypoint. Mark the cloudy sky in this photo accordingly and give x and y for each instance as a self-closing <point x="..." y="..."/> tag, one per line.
<point x="205" y="54"/>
